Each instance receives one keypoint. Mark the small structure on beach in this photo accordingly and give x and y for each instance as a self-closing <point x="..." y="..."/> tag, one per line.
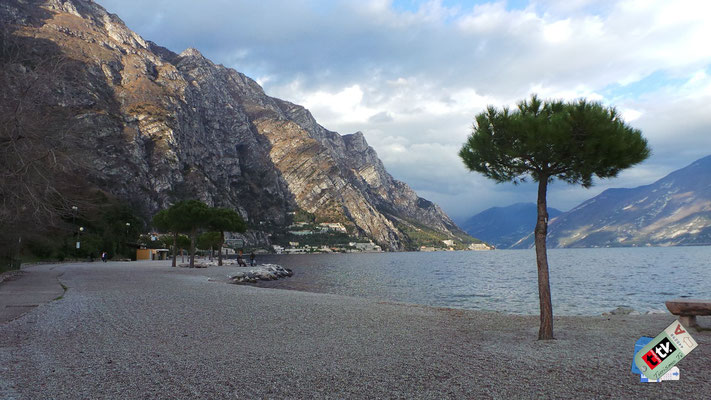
<point x="152" y="254"/>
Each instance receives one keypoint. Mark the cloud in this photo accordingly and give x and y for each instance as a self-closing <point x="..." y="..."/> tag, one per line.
<point x="381" y="117"/>
<point x="412" y="74"/>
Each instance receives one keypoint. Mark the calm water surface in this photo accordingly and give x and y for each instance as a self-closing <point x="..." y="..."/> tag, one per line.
<point x="583" y="281"/>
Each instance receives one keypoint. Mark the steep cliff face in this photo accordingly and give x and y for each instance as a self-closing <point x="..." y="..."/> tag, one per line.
<point x="166" y="126"/>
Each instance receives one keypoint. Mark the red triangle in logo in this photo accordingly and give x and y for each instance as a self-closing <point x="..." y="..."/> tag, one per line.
<point x="678" y="330"/>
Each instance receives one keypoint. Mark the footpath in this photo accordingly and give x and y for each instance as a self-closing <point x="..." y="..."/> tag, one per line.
<point x="21" y="292"/>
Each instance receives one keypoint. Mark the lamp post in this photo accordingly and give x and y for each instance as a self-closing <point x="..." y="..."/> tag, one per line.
<point x="81" y="229"/>
<point x="128" y="226"/>
<point x="74" y="226"/>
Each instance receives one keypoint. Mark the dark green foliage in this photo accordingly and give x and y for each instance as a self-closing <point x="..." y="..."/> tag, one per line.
<point x="304" y="216"/>
<point x="225" y="220"/>
<point x="551" y="139"/>
<point x="162" y="221"/>
<point x="221" y="220"/>
<point x="183" y="242"/>
<point x="419" y="235"/>
<point x="209" y="240"/>
<point x="104" y="221"/>
<point x="189" y="216"/>
<point x="569" y="141"/>
<point x="192" y="215"/>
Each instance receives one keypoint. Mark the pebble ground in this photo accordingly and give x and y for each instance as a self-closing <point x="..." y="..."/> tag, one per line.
<point x="144" y="330"/>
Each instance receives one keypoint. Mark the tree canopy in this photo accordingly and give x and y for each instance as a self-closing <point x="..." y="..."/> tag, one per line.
<point x="574" y="142"/>
<point x="164" y="221"/>
<point x="224" y="219"/>
<point x="192" y="215"/>
<point x="542" y="139"/>
<point x="209" y="240"/>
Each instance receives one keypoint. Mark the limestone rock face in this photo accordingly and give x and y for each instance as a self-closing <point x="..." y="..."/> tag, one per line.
<point x="169" y="126"/>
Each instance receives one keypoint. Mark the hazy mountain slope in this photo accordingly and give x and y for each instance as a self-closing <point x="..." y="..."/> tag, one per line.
<point x="169" y="126"/>
<point x="675" y="210"/>
<point x="504" y="226"/>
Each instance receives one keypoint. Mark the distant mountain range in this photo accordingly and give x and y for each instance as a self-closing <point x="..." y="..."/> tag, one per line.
<point x="675" y="210"/>
<point x="504" y="226"/>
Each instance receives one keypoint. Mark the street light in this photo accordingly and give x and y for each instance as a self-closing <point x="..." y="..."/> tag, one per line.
<point x="81" y="229"/>
<point x="128" y="226"/>
<point x="74" y="214"/>
<point x="74" y="225"/>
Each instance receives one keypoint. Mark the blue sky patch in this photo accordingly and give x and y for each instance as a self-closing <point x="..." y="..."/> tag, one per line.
<point x="464" y="5"/>
<point x="649" y="84"/>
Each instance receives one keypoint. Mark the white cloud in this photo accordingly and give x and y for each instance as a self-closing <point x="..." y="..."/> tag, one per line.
<point x="631" y="115"/>
<point x="412" y="81"/>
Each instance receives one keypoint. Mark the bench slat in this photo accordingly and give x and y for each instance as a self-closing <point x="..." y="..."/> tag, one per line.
<point x="689" y="307"/>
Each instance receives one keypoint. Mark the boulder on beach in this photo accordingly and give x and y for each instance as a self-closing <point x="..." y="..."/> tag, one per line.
<point x="622" y="310"/>
<point x="264" y="272"/>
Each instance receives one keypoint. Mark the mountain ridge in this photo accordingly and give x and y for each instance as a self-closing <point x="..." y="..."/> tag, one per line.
<point x="674" y="210"/>
<point x="163" y="126"/>
<point x="504" y="226"/>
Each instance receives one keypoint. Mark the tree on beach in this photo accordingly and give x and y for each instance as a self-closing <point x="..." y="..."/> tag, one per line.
<point x="183" y="243"/>
<point x="551" y="139"/>
<point x="209" y="240"/>
<point x="164" y="222"/>
<point x="185" y="216"/>
<point x="191" y="215"/>
<point x="224" y="219"/>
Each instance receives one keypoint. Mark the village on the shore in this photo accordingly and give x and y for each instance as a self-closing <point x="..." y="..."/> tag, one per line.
<point x="328" y="231"/>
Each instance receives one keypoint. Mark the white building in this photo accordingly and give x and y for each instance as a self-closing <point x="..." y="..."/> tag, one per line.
<point x="368" y="247"/>
<point x="333" y="226"/>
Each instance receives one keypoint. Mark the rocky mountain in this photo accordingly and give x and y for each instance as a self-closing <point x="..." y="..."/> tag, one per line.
<point x="675" y="210"/>
<point x="504" y="226"/>
<point x="160" y="127"/>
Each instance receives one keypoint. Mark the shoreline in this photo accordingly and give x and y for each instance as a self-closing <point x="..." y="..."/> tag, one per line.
<point x="142" y="330"/>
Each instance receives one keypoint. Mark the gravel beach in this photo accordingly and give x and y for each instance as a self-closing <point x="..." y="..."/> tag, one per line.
<point x="145" y="330"/>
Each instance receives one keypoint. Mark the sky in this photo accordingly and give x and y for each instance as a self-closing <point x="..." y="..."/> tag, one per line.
<point x="412" y="74"/>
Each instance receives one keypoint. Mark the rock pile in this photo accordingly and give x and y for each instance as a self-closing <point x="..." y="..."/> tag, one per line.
<point x="265" y="272"/>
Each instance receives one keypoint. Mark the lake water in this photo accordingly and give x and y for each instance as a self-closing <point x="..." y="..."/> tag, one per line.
<point x="583" y="281"/>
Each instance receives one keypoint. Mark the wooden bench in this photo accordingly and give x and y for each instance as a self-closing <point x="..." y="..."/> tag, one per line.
<point x="688" y="309"/>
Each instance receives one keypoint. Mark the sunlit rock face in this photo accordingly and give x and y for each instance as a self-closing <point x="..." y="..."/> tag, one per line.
<point x="675" y="210"/>
<point x="167" y="126"/>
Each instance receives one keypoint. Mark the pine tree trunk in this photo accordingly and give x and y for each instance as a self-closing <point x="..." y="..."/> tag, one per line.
<point x="545" y="331"/>
<point x="219" y="249"/>
<point x="193" y="234"/>
<point x="175" y="248"/>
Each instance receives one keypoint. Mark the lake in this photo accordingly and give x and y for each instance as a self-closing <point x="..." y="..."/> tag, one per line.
<point x="583" y="281"/>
